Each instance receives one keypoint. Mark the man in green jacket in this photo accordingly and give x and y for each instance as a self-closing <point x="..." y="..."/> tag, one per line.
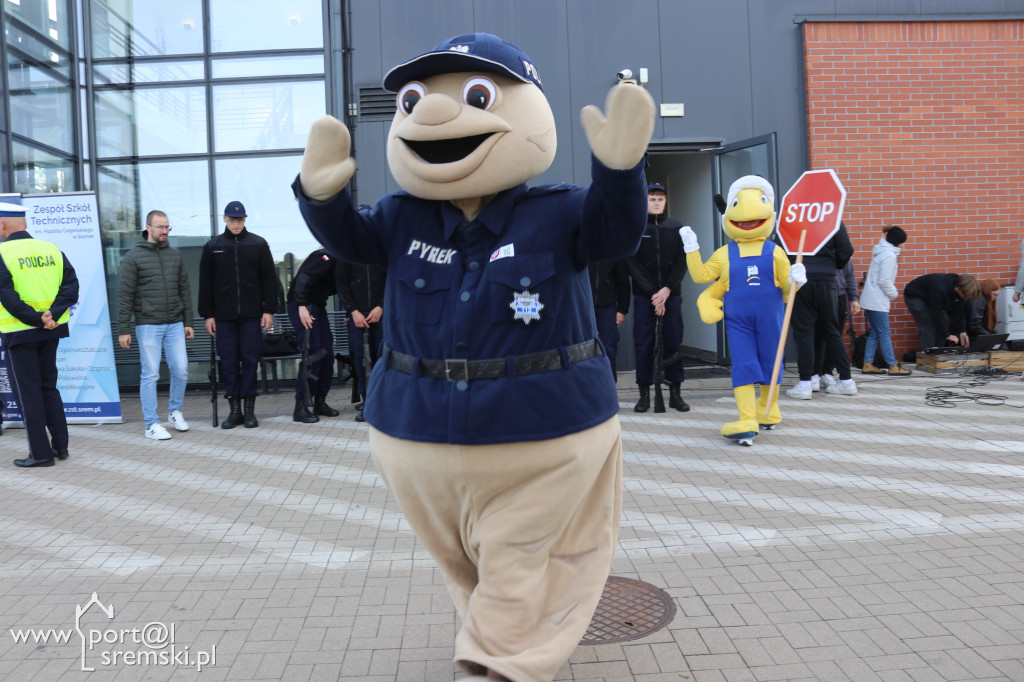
<point x="154" y="286"/>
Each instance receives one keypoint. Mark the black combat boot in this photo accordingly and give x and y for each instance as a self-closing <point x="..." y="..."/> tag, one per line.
<point x="302" y="413"/>
<point x="321" y="407"/>
<point x="235" y="418"/>
<point x="250" y="416"/>
<point x="644" y="403"/>
<point x="675" y="400"/>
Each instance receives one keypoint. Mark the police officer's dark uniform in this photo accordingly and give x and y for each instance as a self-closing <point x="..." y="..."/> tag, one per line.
<point x="313" y="284"/>
<point x="361" y="288"/>
<point x="237" y="286"/>
<point x="659" y="262"/>
<point x="35" y="277"/>
<point x="609" y="281"/>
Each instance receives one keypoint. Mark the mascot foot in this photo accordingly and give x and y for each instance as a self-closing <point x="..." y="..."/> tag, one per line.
<point x="742" y="431"/>
<point x="768" y="427"/>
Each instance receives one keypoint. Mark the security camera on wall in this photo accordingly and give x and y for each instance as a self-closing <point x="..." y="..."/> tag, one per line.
<point x="624" y="74"/>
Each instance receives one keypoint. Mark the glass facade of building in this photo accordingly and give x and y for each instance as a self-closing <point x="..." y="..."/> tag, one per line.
<point x="178" y="106"/>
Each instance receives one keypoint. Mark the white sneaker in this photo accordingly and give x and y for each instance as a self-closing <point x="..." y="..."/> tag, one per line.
<point x="815" y="383"/>
<point x="157" y="432"/>
<point x="827" y="380"/>
<point x="846" y="387"/>
<point x="799" y="393"/>
<point x="178" y="420"/>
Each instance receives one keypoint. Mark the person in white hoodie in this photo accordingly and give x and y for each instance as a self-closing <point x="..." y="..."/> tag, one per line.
<point x="879" y="291"/>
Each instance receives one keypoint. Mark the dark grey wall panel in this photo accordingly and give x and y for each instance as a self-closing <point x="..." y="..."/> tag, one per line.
<point x="734" y="64"/>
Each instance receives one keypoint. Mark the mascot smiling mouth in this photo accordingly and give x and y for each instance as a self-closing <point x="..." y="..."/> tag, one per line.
<point x="748" y="224"/>
<point x="446" y="151"/>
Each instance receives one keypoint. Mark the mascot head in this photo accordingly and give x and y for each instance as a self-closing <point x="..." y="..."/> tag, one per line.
<point x="471" y="120"/>
<point x="750" y="209"/>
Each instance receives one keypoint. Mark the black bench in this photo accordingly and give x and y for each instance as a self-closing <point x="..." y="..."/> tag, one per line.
<point x="201" y="348"/>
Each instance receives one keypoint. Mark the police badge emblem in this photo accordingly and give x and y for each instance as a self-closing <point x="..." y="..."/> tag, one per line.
<point x="527" y="306"/>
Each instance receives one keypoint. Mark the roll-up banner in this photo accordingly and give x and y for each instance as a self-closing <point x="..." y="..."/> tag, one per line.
<point x="87" y="376"/>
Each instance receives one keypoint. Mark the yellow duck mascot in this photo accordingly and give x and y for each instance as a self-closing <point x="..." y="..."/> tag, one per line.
<point x="493" y="416"/>
<point x="751" y="275"/>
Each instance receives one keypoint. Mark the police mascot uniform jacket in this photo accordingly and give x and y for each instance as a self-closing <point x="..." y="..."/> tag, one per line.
<point x="751" y="275"/>
<point x="492" y="408"/>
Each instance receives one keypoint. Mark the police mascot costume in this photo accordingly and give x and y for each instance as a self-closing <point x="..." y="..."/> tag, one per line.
<point x="751" y="275"/>
<point x="493" y="414"/>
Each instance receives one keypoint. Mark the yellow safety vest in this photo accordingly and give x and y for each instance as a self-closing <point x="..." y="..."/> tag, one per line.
<point x="37" y="268"/>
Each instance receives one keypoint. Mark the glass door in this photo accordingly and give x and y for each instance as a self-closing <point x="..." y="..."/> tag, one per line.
<point x="754" y="156"/>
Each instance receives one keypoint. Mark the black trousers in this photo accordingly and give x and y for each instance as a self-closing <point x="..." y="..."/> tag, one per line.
<point x="33" y="370"/>
<point x="932" y="327"/>
<point x="815" y="317"/>
<point x="823" y="364"/>
<point x="319" y="337"/>
<point x="239" y="343"/>
<point x="644" y="326"/>
<point x="355" y="348"/>
<point x="608" y="332"/>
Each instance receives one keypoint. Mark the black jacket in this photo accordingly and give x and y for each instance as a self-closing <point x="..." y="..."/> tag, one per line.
<point x="609" y="282"/>
<point x="316" y="280"/>
<point x="237" y="278"/>
<point x="938" y="291"/>
<point x="834" y="255"/>
<point x="360" y="287"/>
<point x="660" y="260"/>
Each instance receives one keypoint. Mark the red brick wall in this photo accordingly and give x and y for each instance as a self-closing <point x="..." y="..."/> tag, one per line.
<point x="924" y="124"/>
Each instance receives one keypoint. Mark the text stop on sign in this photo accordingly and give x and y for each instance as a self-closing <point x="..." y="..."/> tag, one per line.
<point x="813" y="204"/>
<point x="811" y="213"/>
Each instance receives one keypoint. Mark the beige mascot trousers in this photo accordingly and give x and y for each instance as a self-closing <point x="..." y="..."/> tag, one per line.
<point x="524" y="533"/>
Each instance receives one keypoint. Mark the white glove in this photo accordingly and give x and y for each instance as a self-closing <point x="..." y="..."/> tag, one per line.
<point x="798" y="274"/>
<point x="689" y="239"/>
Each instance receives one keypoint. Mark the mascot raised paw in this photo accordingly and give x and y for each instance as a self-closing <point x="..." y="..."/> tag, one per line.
<point x="751" y="276"/>
<point x="492" y="410"/>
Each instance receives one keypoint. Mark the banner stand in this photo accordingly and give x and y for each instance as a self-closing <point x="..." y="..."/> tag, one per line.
<point x="87" y="375"/>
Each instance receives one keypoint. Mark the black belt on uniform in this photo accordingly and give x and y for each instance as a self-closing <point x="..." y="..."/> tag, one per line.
<point x="460" y="369"/>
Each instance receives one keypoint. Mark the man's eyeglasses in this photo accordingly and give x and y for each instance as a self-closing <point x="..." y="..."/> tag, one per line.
<point x="166" y="228"/>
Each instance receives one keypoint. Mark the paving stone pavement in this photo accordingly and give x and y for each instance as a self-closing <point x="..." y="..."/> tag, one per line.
<point x="875" y="537"/>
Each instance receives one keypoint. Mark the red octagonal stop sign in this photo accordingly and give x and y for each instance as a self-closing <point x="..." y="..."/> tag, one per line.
<point x="814" y="203"/>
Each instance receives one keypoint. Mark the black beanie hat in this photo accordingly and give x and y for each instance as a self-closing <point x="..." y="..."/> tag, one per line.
<point x="895" y="235"/>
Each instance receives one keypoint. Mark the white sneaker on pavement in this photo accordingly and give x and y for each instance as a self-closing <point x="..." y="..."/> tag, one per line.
<point x="178" y="420"/>
<point x="800" y="392"/>
<point x="815" y="383"/>
<point x="157" y="432"/>
<point x="844" y="387"/>
<point x="827" y="380"/>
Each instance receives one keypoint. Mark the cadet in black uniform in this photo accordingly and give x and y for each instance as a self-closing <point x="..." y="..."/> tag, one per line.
<point x="609" y="282"/>
<point x="657" y="271"/>
<point x="361" y="289"/>
<point x="38" y="285"/>
<point x="313" y="284"/>
<point x="237" y="293"/>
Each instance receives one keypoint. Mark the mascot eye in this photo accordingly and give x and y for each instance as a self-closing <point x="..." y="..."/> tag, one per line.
<point x="409" y="95"/>
<point x="764" y="199"/>
<point x="480" y="93"/>
<point x="735" y="203"/>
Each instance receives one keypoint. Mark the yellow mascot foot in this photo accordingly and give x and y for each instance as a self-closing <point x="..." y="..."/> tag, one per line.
<point x="742" y="432"/>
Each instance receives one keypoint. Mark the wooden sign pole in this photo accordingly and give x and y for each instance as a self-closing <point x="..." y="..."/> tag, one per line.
<point x="785" y="326"/>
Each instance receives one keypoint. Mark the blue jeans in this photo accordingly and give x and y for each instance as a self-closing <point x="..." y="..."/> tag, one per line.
<point x="154" y="338"/>
<point x="879" y="335"/>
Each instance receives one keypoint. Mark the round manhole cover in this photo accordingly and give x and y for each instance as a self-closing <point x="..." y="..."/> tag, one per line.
<point x="628" y="610"/>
